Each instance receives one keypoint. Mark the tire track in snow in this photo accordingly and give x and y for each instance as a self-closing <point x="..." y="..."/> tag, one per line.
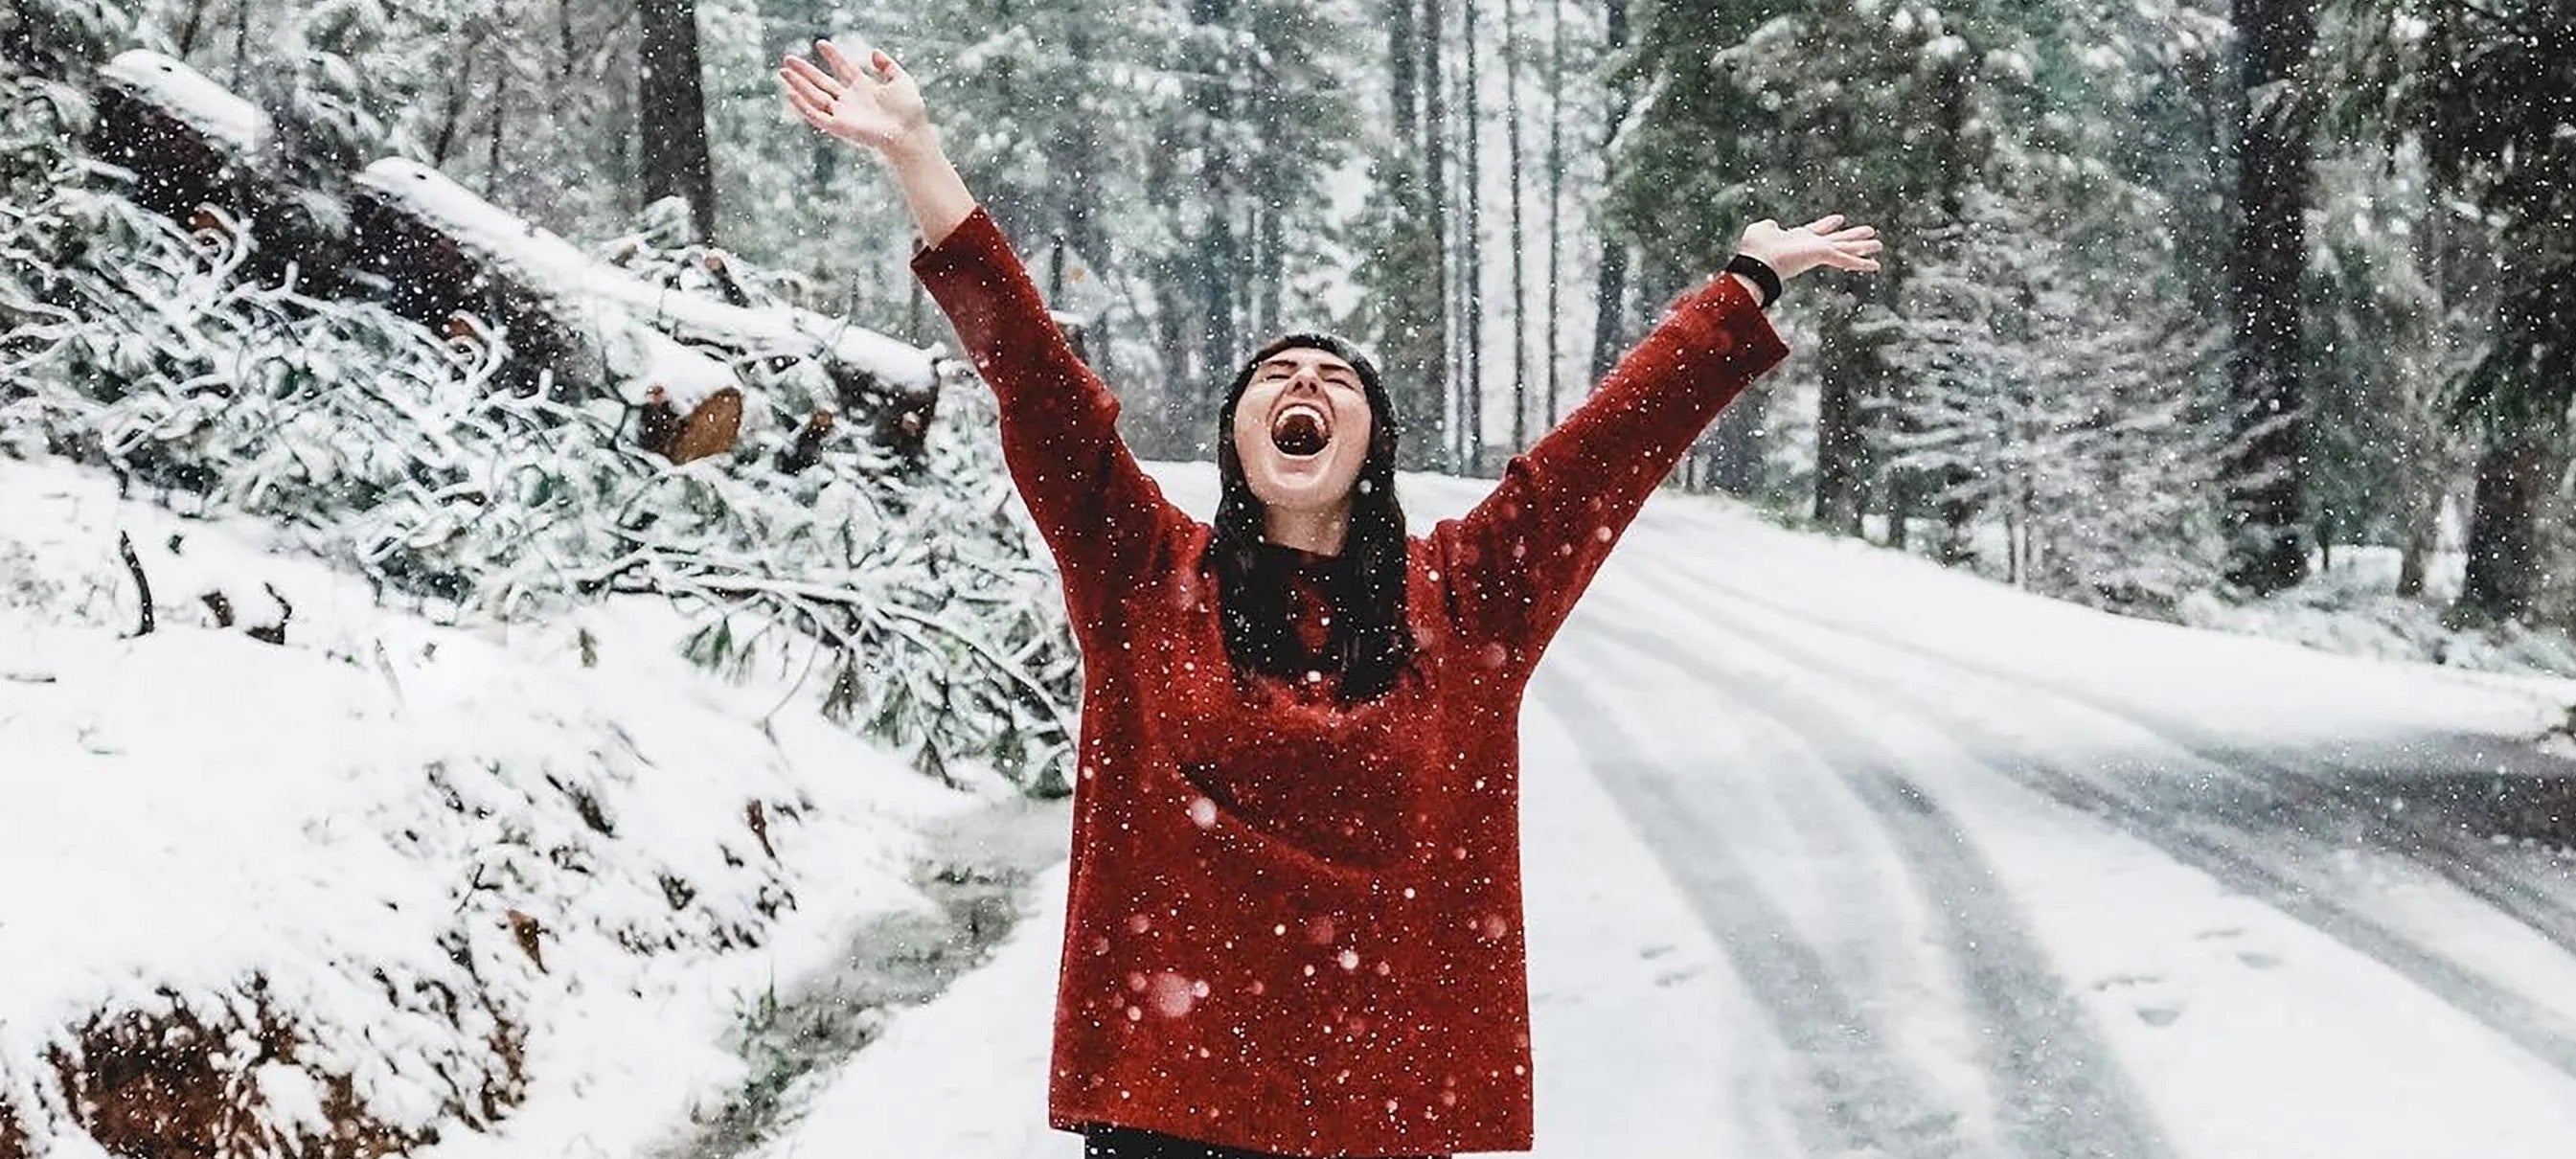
<point x="2278" y="788"/>
<point x="1861" y="1097"/>
<point x="2244" y="861"/>
<point x="2060" y="1091"/>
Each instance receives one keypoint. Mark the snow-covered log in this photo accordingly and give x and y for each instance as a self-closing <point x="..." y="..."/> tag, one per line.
<point x="436" y="252"/>
<point x="446" y="250"/>
<point x="188" y="143"/>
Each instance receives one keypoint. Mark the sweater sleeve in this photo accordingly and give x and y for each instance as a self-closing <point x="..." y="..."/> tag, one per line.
<point x="1519" y="560"/>
<point x="1096" y="508"/>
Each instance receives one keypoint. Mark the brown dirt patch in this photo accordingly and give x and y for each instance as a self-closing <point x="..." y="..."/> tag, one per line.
<point x="178" y="1085"/>
<point x="13" y="1137"/>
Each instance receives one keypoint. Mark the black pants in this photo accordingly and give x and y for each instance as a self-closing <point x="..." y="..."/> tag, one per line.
<point x="1129" y="1143"/>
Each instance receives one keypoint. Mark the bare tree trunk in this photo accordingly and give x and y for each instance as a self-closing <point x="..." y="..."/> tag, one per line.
<point x="1555" y="196"/>
<point x="2506" y="547"/>
<point x="1426" y="53"/>
<point x="1436" y="182"/>
<point x="1841" y="450"/>
<point x="2432" y="462"/>
<point x="1735" y="452"/>
<point x="1274" y="270"/>
<point x="458" y="90"/>
<point x="500" y="107"/>
<point x="1474" y="133"/>
<point x="186" y="42"/>
<point x="1611" y="288"/>
<point x="672" y="100"/>
<point x="1218" y="258"/>
<point x="2267" y="479"/>
<point x="2416" y="540"/>
<point x="1520" y="274"/>
<point x="241" y="43"/>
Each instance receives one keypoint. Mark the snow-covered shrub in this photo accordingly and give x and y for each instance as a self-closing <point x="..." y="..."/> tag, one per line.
<point x="2057" y="417"/>
<point x="138" y="345"/>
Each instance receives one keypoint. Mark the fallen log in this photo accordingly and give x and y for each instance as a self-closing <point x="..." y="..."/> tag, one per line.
<point x="651" y="336"/>
<point x="186" y="143"/>
<point x="434" y="252"/>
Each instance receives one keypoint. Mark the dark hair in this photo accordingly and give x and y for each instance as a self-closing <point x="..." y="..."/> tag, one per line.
<point x="1371" y="639"/>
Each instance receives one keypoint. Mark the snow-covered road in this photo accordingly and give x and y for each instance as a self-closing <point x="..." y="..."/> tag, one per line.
<point x="1833" y="852"/>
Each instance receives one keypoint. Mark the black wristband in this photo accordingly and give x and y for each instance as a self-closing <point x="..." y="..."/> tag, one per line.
<point x="1761" y="273"/>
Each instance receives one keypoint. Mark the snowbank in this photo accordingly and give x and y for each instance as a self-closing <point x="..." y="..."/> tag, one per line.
<point x="2354" y="609"/>
<point x="397" y="877"/>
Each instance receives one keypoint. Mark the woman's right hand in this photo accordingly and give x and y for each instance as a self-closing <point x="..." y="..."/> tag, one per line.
<point x="878" y="106"/>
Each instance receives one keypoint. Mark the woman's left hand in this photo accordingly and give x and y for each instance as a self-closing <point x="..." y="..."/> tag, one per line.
<point x="1822" y="242"/>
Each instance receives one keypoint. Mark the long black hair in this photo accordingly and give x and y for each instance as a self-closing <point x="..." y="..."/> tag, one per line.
<point x="1371" y="639"/>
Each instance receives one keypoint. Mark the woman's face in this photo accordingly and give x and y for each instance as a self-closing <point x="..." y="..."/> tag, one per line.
<point x="1301" y="430"/>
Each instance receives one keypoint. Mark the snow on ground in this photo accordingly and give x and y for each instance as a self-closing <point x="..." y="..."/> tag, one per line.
<point x="2369" y="1007"/>
<point x="1797" y="887"/>
<point x="194" y="813"/>
<point x="1797" y="880"/>
<point x="2354" y="609"/>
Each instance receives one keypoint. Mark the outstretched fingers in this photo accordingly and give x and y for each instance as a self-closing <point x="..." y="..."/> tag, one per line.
<point x="887" y="66"/>
<point x="842" y="66"/>
<point x="813" y="75"/>
<point x="806" y="93"/>
<point x="1853" y="256"/>
<point x="801" y="100"/>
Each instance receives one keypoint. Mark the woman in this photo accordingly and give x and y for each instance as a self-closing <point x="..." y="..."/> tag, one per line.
<point x="1295" y="915"/>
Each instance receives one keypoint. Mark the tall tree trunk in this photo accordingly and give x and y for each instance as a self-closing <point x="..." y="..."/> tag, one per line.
<point x="1841" y="450"/>
<point x="673" y="107"/>
<point x="1473" y="136"/>
<point x="2425" y="478"/>
<point x="241" y="44"/>
<point x="1555" y="198"/>
<point x="2422" y="525"/>
<point x="2506" y="547"/>
<point x="2267" y="480"/>
<point x="1435" y="189"/>
<point x="1520" y="273"/>
<point x="188" y="28"/>
<point x="459" y="89"/>
<point x="1274" y="269"/>
<point x="1735" y="461"/>
<point x="1404" y="79"/>
<point x="1075" y="164"/>
<point x="500" y="123"/>
<point x="1611" y="289"/>
<point x="1218" y="267"/>
<point x="1218" y="259"/>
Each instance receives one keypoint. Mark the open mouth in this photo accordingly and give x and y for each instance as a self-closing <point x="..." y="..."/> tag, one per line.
<point x="1299" y="430"/>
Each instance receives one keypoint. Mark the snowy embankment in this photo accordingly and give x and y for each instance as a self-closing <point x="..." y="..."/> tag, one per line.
<point x="390" y="881"/>
<point x="2353" y="608"/>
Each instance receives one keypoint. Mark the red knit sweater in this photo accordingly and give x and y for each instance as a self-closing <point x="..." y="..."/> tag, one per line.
<point x="1295" y="926"/>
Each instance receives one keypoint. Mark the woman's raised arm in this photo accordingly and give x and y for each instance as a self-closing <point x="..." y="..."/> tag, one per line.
<point x="1100" y="513"/>
<point x="1519" y="561"/>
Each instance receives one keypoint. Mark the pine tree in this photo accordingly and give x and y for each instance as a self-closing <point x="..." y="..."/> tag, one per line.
<point x="2482" y="87"/>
